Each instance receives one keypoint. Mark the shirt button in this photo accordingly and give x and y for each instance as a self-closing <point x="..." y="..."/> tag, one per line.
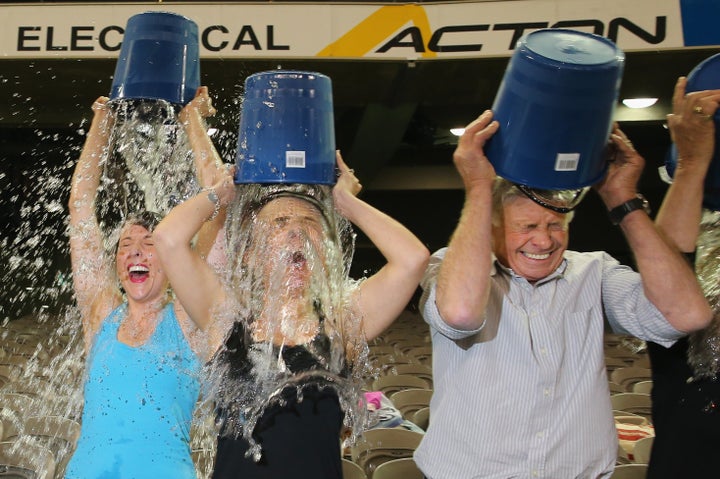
<point x="543" y="351"/>
<point x="540" y="435"/>
<point x="546" y="392"/>
<point x="535" y="474"/>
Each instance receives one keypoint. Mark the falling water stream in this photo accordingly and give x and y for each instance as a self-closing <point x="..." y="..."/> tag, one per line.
<point x="149" y="166"/>
<point x="704" y="345"/>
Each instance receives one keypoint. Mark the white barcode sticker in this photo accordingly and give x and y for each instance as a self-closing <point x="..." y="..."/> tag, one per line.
<point x="294" y="159"/>
<point x="567" y="161"/>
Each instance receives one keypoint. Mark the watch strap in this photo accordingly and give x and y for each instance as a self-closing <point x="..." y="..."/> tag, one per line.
<point x="618" y="213"/>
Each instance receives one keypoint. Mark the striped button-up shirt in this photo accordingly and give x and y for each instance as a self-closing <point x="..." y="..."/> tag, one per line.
<point x="526" y="395"/>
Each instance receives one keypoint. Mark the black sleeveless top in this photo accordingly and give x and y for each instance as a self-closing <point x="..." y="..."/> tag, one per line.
<point x="299" y="438"/>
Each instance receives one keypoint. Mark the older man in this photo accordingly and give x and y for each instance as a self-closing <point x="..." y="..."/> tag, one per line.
<point x="517" y="325"/>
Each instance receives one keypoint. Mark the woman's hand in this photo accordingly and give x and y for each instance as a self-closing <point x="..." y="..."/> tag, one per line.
<point x="102" y="118"/>
<point x="347" y="180"/>
<point x="100" y="105"/>
<point x="202" y="103"/>
<point x="347" y="186"/>
<point x="225" y="186"/>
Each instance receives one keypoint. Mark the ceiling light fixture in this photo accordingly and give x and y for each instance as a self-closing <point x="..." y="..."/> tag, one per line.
<point x="457" y="131"/>
<point x="639" y="102"/>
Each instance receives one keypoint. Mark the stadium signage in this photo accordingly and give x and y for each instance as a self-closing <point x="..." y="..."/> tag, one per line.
<point x="351" y="30"/>
<point x="218" y="38"/>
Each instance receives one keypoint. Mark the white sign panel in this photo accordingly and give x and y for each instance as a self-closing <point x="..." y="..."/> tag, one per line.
<point x="372" y="31"/>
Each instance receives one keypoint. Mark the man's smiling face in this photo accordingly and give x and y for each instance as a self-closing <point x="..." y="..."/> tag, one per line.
<point x="531" y="239"/>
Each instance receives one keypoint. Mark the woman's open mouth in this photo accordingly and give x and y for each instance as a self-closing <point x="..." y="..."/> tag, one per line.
<point x="138" y="273"/>
<point x="298" y="258"/>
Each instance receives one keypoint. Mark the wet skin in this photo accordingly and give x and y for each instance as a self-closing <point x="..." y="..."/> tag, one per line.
<point x="138" y="266"/>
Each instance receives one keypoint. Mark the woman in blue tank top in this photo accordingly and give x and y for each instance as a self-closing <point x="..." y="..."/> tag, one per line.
<point x="142" y="377"/>
<point x="290" y="325"/>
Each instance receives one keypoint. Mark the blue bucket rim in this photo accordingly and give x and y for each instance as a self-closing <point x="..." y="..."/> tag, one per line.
<point x="618" y="58"/>
<point x="164" y="13"/>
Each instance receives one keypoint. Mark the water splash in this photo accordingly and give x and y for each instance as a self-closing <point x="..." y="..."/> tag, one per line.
<point x="138" y="175"/>
<point x="43" y="396"/>
<point x="704" y="345"/>
<point x="40" y="353"/>
<point x="148" y="166"/>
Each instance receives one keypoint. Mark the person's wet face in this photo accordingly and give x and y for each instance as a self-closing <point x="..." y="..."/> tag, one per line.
<point x="530" y="239"/>
<point x="137" y="264"/>
<point x="290" y="233"/>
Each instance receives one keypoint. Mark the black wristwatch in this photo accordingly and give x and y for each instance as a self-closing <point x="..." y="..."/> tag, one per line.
<point x="619" y="212"/>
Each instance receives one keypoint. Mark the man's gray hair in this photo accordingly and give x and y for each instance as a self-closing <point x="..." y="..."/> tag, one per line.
<point x="504" y="192"/>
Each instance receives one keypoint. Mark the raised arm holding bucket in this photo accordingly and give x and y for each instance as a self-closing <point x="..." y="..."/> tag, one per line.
<point x="554" y="108"/>
<point x="156" y="74"/>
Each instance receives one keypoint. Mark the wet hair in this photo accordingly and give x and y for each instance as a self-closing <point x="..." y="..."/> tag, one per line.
<point x="254" y="197"/>
<point x="313" y="201"/>
<point x="146" y="219"/>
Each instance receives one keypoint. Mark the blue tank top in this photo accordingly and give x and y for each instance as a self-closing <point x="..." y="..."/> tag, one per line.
<point x="138" y="405"/>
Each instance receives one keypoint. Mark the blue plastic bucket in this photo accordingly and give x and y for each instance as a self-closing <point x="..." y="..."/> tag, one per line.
<point x="287" y="131"/>
<point x="555" y="107"/>
<point x="159" y="59"/>
<point x="705" y="76"/>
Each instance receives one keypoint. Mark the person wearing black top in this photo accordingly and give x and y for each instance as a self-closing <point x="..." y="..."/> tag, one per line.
<point x="291" y="328"/>
<point x="686" y="387"/>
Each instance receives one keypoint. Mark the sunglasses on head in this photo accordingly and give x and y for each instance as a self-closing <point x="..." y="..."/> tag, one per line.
<point x="560" y="201"/>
